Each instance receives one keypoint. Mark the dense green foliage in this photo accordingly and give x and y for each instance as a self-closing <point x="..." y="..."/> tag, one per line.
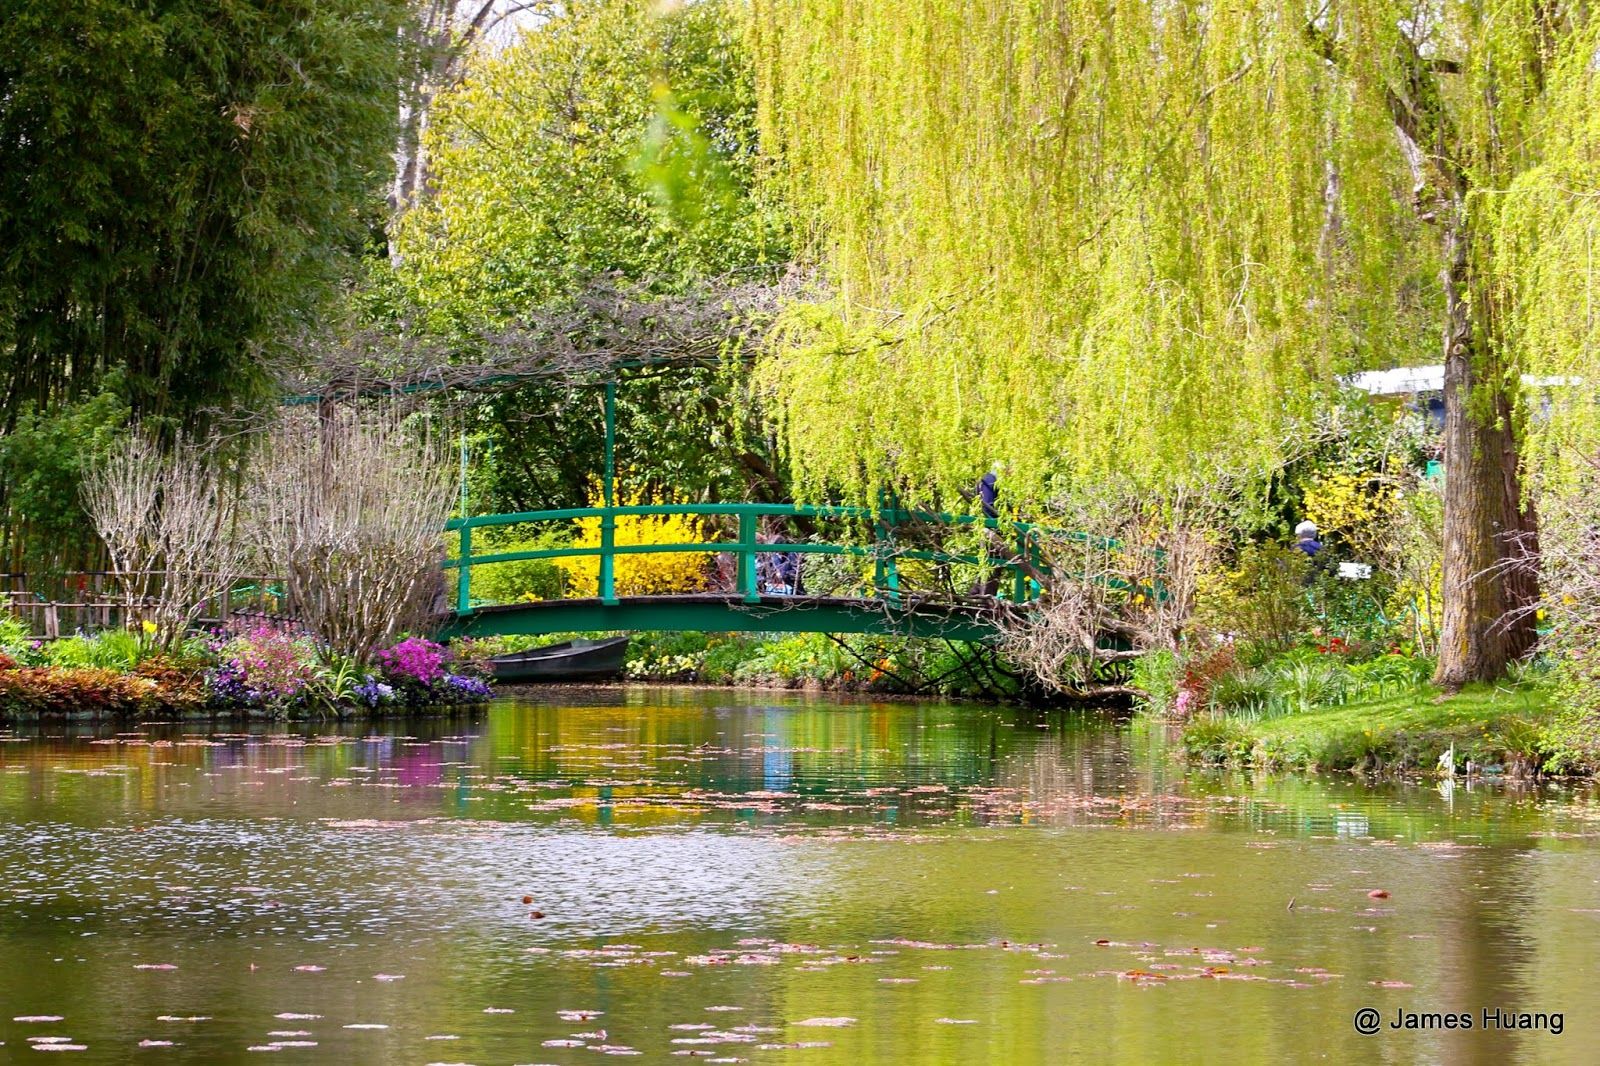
<point x="1095" y="242"/>
<point x="183" y="181"/>
<point x="1101" y="242"/>
<point x="853" y="662"/>
<point x="42" y="460"/>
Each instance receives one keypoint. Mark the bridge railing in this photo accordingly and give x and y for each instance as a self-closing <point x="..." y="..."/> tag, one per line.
<point x="1021" y="564"/>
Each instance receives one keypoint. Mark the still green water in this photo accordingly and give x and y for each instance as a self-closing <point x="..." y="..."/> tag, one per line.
<point x="759" y="878"/>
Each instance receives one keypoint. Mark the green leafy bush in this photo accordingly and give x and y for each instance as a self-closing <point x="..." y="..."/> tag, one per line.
<point x="112" y="649"/>
<point x="1261" y="601"/>
<point x="528" y="579"/>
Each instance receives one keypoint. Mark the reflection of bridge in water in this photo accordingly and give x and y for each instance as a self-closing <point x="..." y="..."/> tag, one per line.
<point x="886" y="606"/>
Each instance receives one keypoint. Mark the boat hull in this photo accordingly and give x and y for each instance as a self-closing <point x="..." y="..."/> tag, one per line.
<point x="600" y="661"/>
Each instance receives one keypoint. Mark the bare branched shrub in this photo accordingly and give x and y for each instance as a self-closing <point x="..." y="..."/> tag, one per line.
<point x="1168" y="544"/>
<point x="1057" y="639"/>
<point x="1567" y="556"/>
<point x="168" y="516"/>
<point x="349" y="508"/>
<point x="1131" y="571"/>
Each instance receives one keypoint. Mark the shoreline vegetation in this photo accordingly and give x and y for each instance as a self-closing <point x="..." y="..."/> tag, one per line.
<point x="265" y="670"/>
<point x="1314" y="717"/>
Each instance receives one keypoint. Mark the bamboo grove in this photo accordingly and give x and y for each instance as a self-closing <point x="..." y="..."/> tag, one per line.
<point x="1113" y="242"/>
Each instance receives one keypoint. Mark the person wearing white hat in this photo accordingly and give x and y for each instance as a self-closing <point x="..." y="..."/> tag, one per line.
<point x="1305" y="538"/>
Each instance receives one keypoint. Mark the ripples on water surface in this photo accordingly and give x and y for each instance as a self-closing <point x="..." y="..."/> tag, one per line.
<point x="747" y="877"/>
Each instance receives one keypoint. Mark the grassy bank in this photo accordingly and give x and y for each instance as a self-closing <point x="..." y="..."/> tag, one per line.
<point x="1495" y="729"/>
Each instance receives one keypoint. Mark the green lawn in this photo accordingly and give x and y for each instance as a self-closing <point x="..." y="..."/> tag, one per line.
<point x="1492" y="727"/>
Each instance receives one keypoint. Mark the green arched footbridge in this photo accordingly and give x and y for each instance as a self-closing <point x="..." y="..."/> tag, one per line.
<point x="884" y="607"/>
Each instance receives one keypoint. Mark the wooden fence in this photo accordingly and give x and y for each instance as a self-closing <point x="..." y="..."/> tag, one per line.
<point x="87" y="601"/>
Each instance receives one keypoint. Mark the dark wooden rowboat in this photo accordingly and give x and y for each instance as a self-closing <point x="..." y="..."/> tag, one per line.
<point x="568" y="661"/>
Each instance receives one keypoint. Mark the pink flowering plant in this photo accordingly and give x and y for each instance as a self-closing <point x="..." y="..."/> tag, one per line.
<point x="267" y="666"/>
<point x="415" y="659"/>
<point x="422" y="672"/>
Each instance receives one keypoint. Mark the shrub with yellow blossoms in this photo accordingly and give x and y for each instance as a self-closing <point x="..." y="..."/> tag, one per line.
<point x="646" y="574"/>
<point x="1352" y="506"/>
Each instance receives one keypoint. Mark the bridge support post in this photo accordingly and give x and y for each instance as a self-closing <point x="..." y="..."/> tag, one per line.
<point x="1020" y="572"/>
<point x="748" y="583"/>
<point x="608" y="521"/>
<point x="464" y="571"/>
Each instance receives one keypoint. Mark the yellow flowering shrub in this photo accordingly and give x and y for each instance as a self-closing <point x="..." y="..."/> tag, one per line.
<point x="1349" y="505"/>
<point x="648" y="574"/>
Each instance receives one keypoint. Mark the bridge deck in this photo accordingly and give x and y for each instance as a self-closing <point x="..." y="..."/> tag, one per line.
<point x="730" y="612"/>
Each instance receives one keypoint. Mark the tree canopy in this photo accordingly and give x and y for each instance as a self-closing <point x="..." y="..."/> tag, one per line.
<point x="613" y="145"/>
<point x="184" y="178"/>
<point x="1106" y="242"/>
<point x="613" y="138"/>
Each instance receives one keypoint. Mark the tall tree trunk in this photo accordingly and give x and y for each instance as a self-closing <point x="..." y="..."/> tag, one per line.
<point x="1486" y="529"/>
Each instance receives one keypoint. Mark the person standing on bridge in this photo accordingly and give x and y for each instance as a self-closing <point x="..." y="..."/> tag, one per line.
<point x="995" y="548"/>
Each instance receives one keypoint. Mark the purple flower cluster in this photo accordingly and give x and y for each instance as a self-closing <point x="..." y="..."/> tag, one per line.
<point x="464" y="689"/>
<point x="373" y="692"/>
<point x="416" y="659"/>
<point x="229" y="684"/>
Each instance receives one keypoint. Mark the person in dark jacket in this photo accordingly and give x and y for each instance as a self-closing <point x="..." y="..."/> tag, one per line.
<point x="1305" y="538"/>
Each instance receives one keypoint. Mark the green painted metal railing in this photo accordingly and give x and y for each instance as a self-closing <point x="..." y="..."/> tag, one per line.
<point x="746" y="548"/>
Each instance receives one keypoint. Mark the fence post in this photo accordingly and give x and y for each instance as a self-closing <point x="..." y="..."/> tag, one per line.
<point x="747" y="559"/>
<point x="464" y="571"/>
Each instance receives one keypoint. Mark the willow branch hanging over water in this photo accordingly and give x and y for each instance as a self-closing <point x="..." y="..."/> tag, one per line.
<point x="1103" y="240"/>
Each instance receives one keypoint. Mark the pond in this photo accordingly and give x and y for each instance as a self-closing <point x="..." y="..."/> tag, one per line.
<point x="686" y="875"/>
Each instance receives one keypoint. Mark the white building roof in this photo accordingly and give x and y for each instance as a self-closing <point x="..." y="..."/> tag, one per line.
<point x="1405" y="380"/>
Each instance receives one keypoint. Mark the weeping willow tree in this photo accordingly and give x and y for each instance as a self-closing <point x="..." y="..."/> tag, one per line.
<point x="1136" y="243"/>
